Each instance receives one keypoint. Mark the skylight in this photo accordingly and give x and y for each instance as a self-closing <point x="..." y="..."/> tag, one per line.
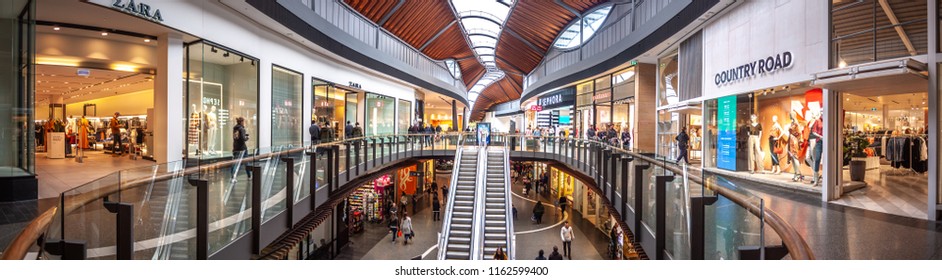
<point x="590" y="23"/>
<point x="482" y="21"/>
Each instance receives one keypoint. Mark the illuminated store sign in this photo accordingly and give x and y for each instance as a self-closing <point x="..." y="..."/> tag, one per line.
<point x="138" y="9"/>
<point x="559" y="98"/>
<point x="763" y="66"/>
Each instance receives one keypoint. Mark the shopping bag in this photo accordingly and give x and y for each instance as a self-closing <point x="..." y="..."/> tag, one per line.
<point x="399" y="233"/>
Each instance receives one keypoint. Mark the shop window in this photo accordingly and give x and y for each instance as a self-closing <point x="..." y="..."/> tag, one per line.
<point x="380" y="114"/>
<point x="17" y="130"/>
<point x="330" y="107"/>
<point x="286" y="91"/>
<point x="222" y="86"/>
<point x="865" y="31"/>
<point x="405" y="115"/>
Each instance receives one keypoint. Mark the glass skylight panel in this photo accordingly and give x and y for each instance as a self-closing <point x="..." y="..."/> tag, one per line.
<point x="590" y="23"/>
<point x="484" y="50"/>
<point x="482" y="21"/>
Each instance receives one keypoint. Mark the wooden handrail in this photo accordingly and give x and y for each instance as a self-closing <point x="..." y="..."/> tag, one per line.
<point x="21" y="244"/>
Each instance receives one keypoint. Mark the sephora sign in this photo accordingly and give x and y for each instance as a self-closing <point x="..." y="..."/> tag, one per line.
<point x="768" y="65"/>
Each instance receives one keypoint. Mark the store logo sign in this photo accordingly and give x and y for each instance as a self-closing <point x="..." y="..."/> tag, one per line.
<point x="536" y="108"/>
<point x="763" y="66"/>
<point x="550" y="100"/>
<point x="138" y="9"/>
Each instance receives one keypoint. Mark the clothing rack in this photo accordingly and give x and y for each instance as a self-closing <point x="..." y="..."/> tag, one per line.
<point x="912" y="145"/>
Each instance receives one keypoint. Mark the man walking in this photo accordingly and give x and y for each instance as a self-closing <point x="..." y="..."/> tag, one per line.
<point x="348" y="130"/>
<point x="566" y="234"/>
<point x="682" y="140"/>
<point x="315" y="131"/>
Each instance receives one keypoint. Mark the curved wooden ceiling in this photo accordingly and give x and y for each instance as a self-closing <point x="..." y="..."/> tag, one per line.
<point x="431" y="26"/>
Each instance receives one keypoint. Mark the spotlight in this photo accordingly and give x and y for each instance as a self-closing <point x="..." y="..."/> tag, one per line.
<point x="225" y="54"/>
<point x="213" y="49"/>
<point x="253" y="62"/>
<point x="241" y="59"/>
<point x="146" y="40"/>
<point x="104" y="34"/>
<point x="56" y="28"/>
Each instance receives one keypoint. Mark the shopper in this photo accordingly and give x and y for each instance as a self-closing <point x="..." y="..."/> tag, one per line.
<point x="445" y="193"/>
<point x="394" y="225"/>
<point x="315" y="131"/>
<point x="115" y="126"/>
<point x="566" y="234"/>
<point x="436" y="209"/>
<point x="239" y="149"/>
<point x="562" y="206"/>
<point x="540" y="256"/>
<point x="357" y="130"/>
<point x="403" y="202"/>
<point x="625" y="138"/>
<point x="555" y="254"/>
<point x="513" y="208"/>
<point x="406" y="228"/>
<point x="499" y="255"/>
<point x="538" y="212"/>
<point x="682" y="141"/>
<point x="348" y="130"/>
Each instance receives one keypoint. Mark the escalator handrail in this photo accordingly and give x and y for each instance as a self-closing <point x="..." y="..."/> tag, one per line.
<point x="477" y="218"/>
<point x="508" y="205"/>
<point x="449" y="208"/>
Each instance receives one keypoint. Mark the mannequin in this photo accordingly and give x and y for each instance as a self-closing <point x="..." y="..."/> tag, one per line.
<point x="204" y="129"/>
<point x="754" y="145"/>
<point x="83" y="129"/>
<point x="816" y="136"/>
<point x="211" y="134"/>
<point x="794" y="146"/>
<point x="775" y="136"/>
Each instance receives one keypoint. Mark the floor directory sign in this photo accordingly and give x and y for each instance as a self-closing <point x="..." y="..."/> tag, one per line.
<point x="726" y="122"/>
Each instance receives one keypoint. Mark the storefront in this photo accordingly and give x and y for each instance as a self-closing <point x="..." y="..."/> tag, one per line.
<point x="762" y="119"/>
<point x="552" y="112"/>
<point x="334" y="105"/>
<point x="380" y="114"/>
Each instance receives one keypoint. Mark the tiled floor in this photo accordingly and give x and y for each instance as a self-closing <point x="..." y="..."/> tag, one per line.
<point x="891" y="191"/>
<point x="531" y="238"/>
<point x="59" y="175"/>
<point x="838" y="232"/>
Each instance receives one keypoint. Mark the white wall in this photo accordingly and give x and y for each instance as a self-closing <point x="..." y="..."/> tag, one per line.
<point x="212" y="21"/>
<point x="502" y="124"/>
<point x="758" y="29"/>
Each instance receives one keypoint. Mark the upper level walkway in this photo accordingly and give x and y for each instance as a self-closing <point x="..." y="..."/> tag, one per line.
<point x="215" y="211"/>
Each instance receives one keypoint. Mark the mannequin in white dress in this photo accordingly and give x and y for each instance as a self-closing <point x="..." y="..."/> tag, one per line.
<point x="211" y="134"/>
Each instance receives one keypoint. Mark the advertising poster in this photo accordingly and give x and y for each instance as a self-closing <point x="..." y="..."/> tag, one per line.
<point x="484" y="133"/>
<point x="405" y="182"/>
<point x="726" y="142"/>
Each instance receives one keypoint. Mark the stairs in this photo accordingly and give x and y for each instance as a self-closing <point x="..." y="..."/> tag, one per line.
<point x="496" y="209"/>
<point x="459" y="231"/>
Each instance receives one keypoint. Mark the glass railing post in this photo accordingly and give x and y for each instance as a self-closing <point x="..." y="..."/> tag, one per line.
<point x="638" y="203"/>
<point x="202" y="218"/>
<point x="625" y="163"/>
<point x="289" y="188"/>
<point x="312" y="181"/>
<point x="256" y="208"/>
<point x="660" y="211"/>
<point x="616" y="157"/>
<point x="347" y="162"/>
<point x="333" y="164"/>
<point x="124" y="233"/>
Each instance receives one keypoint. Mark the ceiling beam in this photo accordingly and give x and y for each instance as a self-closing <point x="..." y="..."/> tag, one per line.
<point x="440" y="32"/>
<point x="568" y="8"/>
<point x="514" y="70"/>
<point x="534" y="48"/>
<point x="899" y="29"/>
<point x="390" y="13"/>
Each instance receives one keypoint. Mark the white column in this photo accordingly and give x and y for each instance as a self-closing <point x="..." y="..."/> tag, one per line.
<point x="831" y="160"/>
<point x="933" y="120"/>
<point x="169" y="118"/>
<point x="264" y="105"/>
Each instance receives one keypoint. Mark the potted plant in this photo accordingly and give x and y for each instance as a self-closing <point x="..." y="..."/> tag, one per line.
<point x="855" y="156"/>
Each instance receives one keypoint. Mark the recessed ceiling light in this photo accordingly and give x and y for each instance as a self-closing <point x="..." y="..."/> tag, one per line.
<point x="146" y="40"/>
<point x="104" y="34"/>
<point x="55" y="28"/>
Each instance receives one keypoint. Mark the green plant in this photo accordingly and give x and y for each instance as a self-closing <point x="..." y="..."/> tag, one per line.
<point x="854" y="146"/>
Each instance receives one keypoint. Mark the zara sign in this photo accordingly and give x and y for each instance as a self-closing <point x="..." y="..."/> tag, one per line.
<point x="138" y="9"/>
<point x="762" y="66"/>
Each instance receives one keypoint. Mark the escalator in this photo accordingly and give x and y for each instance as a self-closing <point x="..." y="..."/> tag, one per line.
<point x="497" y="222"/>
<point x="458" y="223"/>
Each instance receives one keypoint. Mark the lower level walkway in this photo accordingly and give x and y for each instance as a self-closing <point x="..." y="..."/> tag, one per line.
<point x="839" y="232"/>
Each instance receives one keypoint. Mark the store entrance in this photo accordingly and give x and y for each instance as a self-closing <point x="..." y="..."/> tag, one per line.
<point x="94" y="95"/>
<point x="886" y="152"/>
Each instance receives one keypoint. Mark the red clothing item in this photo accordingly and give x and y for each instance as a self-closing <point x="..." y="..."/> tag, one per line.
<point x="818" y="127"/>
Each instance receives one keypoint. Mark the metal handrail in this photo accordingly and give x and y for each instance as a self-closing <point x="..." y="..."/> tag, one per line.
<point x="449" y="209"/>
<point x="511" y="236"/>
<point x="798" y="248"/>
<point x="480" y="187"/>
<point x="37" y="227"/>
